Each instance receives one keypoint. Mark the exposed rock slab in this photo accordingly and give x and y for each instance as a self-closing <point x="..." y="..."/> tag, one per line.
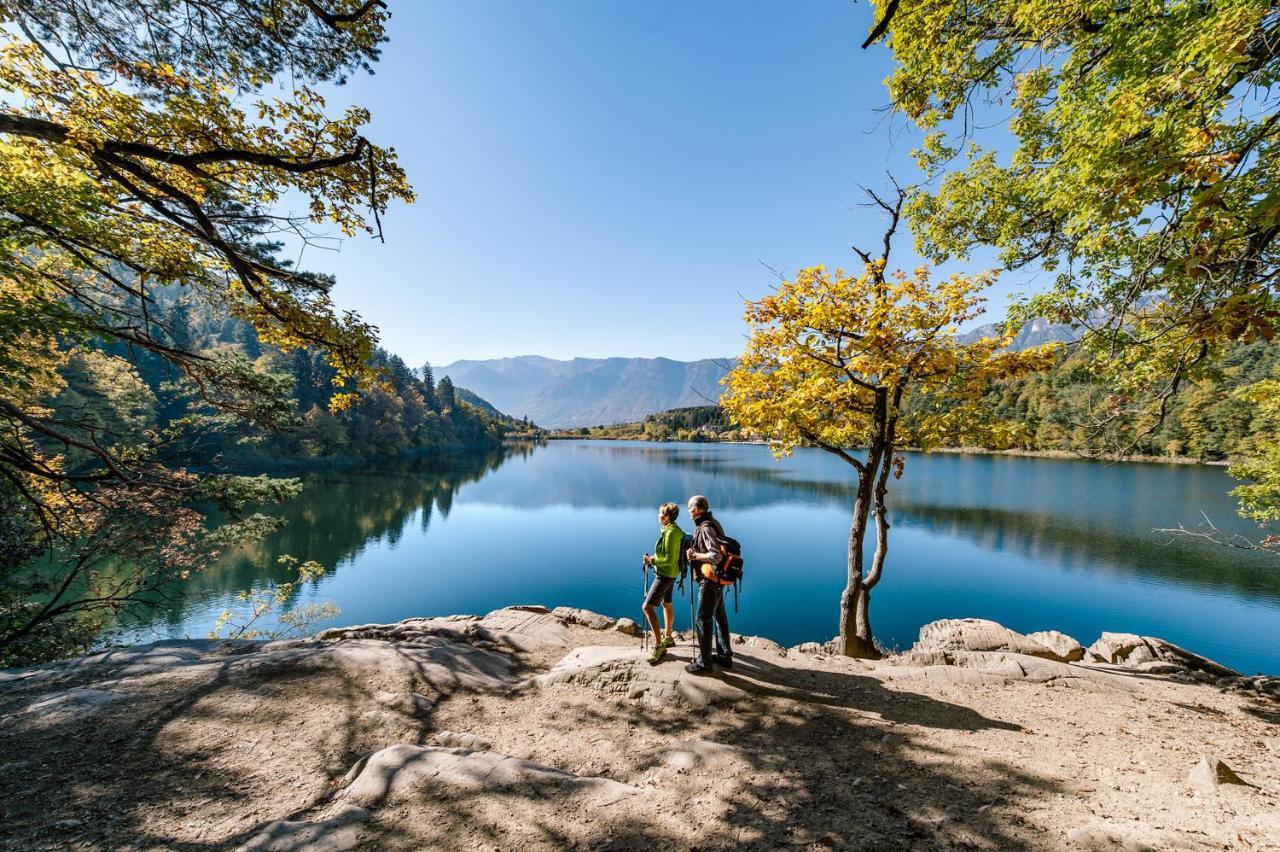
<point x="621" y="670"/>
<point x="409" y="771"/>
<point x="1132" y="651"/>
<point x="760" y="642"/>
<point x="453" y="739"/>
<point x="979" y="634"/>
<point x="338" y="833"/>
<point x="585" y="617"/>
<point x="991" y="667"/>
<point x="1067" y="649"/>
<point x="527" y="628"/>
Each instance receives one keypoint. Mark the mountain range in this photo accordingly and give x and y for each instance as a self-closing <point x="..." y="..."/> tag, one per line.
<point x="588" y="391"/>
<point x="1034" y="333"/>
<point x="605" y="391"/>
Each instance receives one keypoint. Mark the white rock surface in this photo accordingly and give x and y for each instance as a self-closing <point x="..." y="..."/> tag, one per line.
<point x="1067" y="649"/>
<point x="1211" y="772"/>
<point x="409" y="771"/>
<point x="453" y="739"/>
<point x="585" y="617"/>
<point x="338" y="833"/>
<point x="622" y="670"/>
<point x="1132" y="651"/>
<point x="978" y="634"/>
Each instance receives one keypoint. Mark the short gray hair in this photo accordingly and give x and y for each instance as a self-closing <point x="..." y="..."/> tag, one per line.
<point x="697" y="501"/>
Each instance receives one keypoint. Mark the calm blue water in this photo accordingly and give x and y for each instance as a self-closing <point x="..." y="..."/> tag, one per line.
<point x="1033" y="543"/>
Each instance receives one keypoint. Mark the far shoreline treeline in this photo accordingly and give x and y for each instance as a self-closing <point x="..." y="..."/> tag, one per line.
<point x="1206" y="423"/>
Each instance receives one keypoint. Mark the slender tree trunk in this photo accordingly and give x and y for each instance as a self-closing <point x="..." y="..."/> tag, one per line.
<point x="881" y="512"/>
<point x="856" y="637"/>
<point x="855" y="628"/>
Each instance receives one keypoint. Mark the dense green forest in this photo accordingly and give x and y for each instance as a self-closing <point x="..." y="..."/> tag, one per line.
<point x="1064" y="409"/>
<point x="132" y="391"/>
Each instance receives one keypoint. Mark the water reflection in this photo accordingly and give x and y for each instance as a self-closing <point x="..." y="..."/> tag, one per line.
<point x="336" y="518"/>
<point x="1045" y="543"/>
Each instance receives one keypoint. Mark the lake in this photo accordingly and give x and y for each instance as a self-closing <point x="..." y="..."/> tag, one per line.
<point x="1035" y="544"/>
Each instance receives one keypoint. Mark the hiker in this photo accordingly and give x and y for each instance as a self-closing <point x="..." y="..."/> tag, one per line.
<point x="666" y="561"/>
<point x="705" y="554"/>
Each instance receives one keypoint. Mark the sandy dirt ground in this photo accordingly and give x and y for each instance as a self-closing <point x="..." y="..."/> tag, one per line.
<point x="527" y="730"/>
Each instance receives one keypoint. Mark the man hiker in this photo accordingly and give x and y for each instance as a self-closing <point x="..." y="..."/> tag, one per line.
<point x="705" y="554"/>
<point x="665" y="560"/>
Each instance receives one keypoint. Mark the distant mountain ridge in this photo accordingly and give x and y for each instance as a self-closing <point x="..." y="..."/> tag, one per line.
<point x="1035" y="333"/>
<point x="588" y="391"/>
<point x="608" y="391"/>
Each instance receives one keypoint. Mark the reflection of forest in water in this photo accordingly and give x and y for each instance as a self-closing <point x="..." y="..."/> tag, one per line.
<point x="1072" y="516"/>
<point x="332" y="521"/>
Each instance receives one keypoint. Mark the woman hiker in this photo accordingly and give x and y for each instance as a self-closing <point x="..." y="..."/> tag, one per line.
<point x="666" y="561"/>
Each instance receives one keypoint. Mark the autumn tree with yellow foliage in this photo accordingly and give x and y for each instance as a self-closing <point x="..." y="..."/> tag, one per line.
<point x="1144" y="173"/>
<point x="146" y="143"/>
<point x="830" y="362"/>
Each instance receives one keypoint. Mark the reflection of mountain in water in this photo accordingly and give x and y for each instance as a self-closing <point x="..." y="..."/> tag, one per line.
<point x="1008" y="511"/>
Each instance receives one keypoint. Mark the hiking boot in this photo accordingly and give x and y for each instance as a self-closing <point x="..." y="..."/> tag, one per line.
<point x="698" y="668"/>
<point x="659" y="651"/>
<point x="723" y="660"/>
<point x="667" y="641"/>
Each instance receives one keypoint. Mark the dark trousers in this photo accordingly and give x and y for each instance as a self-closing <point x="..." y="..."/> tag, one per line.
<point x="712" y="619"/>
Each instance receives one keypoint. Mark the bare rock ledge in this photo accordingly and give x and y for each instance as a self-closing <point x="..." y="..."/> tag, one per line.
<point x="536" y="729"/>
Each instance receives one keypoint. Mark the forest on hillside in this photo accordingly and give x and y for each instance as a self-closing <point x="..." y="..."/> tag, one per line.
<point x="123" y="392"/>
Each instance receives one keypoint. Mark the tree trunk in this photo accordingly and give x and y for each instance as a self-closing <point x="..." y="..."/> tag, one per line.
<point x="856" y="639"/>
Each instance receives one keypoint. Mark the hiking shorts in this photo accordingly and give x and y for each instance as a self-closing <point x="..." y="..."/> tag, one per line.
<point x="660" y="591"/>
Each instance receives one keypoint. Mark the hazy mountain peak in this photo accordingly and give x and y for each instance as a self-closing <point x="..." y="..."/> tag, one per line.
<point x="588" y="391"/>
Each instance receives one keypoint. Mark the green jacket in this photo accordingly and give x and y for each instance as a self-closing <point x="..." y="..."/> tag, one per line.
<point x="666" y="553"/>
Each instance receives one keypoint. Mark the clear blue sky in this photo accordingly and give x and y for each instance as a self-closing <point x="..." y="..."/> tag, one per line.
<point x="599" y="177"/>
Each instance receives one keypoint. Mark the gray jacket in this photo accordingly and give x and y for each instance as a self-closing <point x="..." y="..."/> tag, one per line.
<point x="706" y="538"/>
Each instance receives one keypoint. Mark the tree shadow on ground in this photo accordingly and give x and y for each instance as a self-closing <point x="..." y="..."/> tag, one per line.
<point x="224" y="742"/>
<point x="818" y="758"/>
<point x="1268" y="710"/>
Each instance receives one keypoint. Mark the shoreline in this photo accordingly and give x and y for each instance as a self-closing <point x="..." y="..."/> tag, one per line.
<point x="470" y="731"/>
<point x="1068" y="455"/>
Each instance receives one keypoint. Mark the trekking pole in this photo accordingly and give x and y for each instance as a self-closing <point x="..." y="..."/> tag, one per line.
<point x="693" y="626"/>
<point x="644" y="592"/>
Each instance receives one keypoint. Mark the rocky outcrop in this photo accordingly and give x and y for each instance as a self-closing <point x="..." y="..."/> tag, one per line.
<point x="409" y="771"/>
<point x="1068" y="650"/>
<point x="627" y="627"/>
<point x="1134" y="651"/>
<point x="337" y="833"/>
<point x="527" y="729"/>
<point x="623" y="671"/>
<point x="585" y="617"/>
<point x="994" y="667"/>
<point x="979" y="634"/>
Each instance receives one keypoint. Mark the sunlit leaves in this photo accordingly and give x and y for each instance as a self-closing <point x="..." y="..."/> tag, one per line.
<point x="1143" y="166"/>
<point x="826" y="344"/>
